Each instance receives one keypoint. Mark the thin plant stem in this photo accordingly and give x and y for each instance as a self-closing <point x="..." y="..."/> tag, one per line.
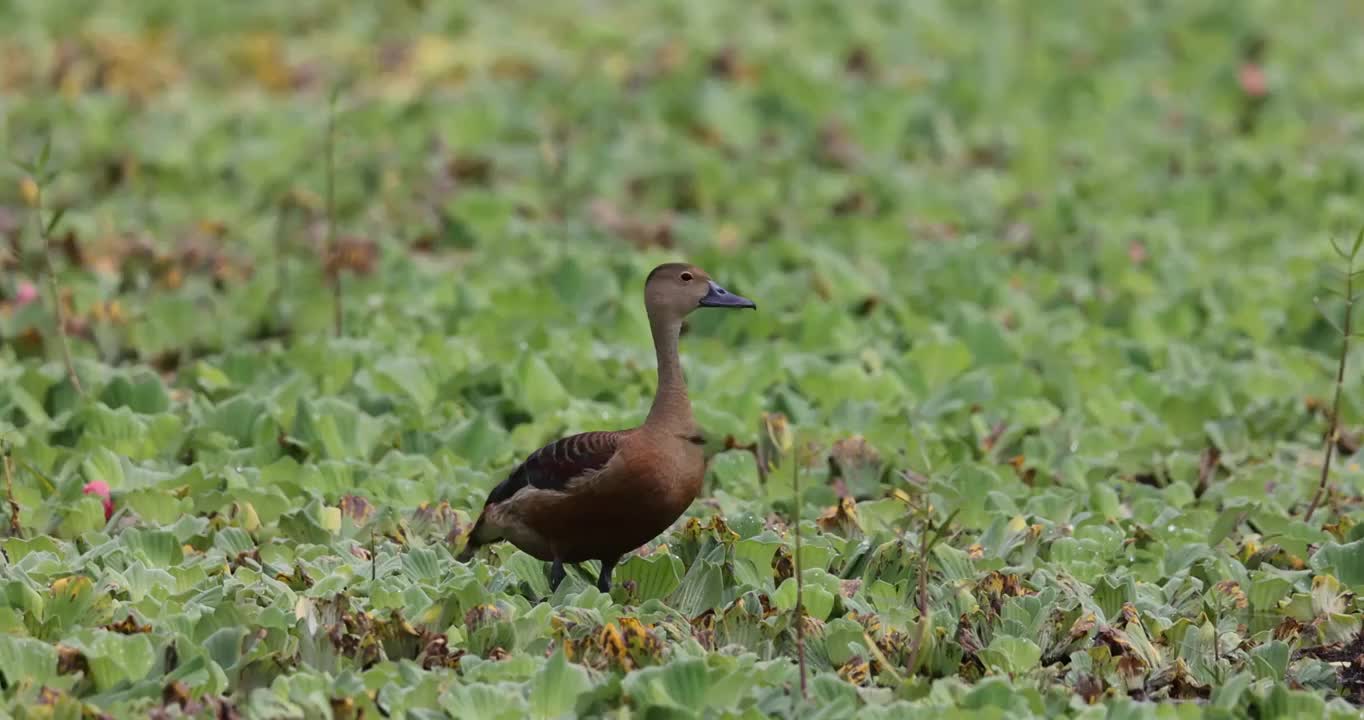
<point x="333" y="255"/>
<point x="281" y="240"/>
<point x="800" y="582"/>
<point x="921" y="601"/>
<point x="928" y="537"/>
<point x="1217" y="639"/>
<point x="1333" y="430"/>
<point x="54" y="290"/>
<point x="15" y="529"/>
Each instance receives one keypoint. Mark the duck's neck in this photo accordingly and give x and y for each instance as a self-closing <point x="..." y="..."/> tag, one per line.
<point x="671" y="409"/>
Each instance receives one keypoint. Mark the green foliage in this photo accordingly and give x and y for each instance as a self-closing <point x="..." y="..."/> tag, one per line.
<point x="1044" y="269"/>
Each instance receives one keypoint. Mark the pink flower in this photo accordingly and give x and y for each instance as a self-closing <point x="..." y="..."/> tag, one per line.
<point x="27" y="293"/>
<point x="1253" y="80"/>
<point x="100" y="488"/>
<point x="1136" y="252"/>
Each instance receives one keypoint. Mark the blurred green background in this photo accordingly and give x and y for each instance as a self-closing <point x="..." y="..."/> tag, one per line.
<point x="1046" y="265"/>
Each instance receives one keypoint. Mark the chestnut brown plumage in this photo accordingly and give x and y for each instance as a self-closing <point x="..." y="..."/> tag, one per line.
<point x="599" y="495"/>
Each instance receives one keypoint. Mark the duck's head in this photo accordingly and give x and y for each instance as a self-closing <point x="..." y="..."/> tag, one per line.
<point x="676" y="289"/>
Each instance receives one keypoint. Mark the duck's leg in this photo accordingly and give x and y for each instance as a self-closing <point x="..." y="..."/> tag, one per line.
<point x="556" y="575"/>
<point x="604" y="577"/>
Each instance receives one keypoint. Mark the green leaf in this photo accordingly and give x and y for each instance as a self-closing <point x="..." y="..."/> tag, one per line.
<point x="1340" y="628"/>
<point x="157" y="548"/>
<point x="1280" y="702"/>
<point x="685" y="683"/>
<point x="655" y="576"/>
<point x="1012" y="655"/>
<point x="71" y="601"/>
<point x="22" y="596"/>
<point x="1233" y="514"/>
<point x="1345" y="562"/>
<point x="233" y="541"/>
<point x="530" y="571"/>
<point x="1111" y="593"/>
<point x="682" y="684"/>
<point x="129" y="434"/>
<point x="44" y="154"/>
<point x="154" y="506"/>
<point x="210" y="378"/>
<point x="16" y="549"/>
<point x="104" y="464"/>
<point x="1034" y="413"/>
<point x="556" y="688"/>
<point x="818" y="601"/>
<point x="844" y="639"/>
<point x="1197" y="652"/>
<point x="479" y="701"/>
<point x="1266" y="592"/>
<point x="201" y="676"/>
<point x="1270" y="660"/>
<point x="938" y="361"/>
<point x="224" y="646"/>
<point x="115" y="658"/>
<point x="409" y="378"/>
<point x="753" y="560"/>
<point x="26" y="661"/>
<point x="422" y="565"/>
<point x="478" y="440"/>
<point x="1228" y="695"/>
<point x="536" y="387"/>
<point x="955" y="563"/>
<point x="701" y="589"/>
<point x="142" y="393"/>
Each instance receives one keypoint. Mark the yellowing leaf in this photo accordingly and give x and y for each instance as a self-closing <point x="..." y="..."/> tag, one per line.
<point x="28" y="190"/>
<point x="330" y="519"/>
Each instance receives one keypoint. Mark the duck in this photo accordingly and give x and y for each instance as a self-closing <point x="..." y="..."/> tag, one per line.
<point x="601" y="494"/>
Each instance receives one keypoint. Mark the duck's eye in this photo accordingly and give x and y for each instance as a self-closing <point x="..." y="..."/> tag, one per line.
<point x="686" y="277"/>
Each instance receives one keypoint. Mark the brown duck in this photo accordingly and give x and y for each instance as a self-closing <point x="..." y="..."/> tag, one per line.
<point x="599" y="495"/>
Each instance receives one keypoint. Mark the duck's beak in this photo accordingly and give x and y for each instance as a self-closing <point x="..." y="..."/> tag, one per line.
<point x="719" y="297"/>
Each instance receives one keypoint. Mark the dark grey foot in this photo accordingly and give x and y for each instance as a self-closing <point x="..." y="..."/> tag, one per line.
<point x="604" y="577"/>
<point x="556" y="575"/>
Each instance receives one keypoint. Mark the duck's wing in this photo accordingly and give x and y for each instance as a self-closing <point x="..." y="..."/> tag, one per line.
<point x="552" y="468"/>
<point x="556" y="465"/>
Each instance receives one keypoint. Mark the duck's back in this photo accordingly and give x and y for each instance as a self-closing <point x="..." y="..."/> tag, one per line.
<point x="558" y="464"/>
